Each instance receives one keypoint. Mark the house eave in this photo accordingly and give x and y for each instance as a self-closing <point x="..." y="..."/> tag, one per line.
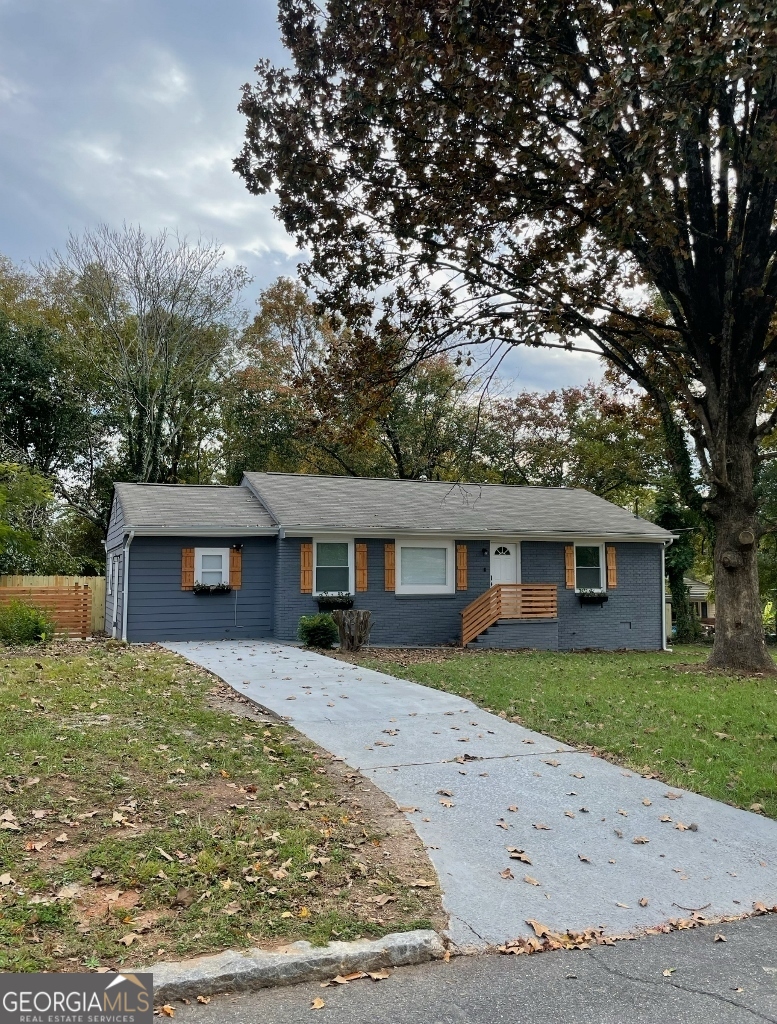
<point x="484" y="534"/>
<point x="203" y="531"/>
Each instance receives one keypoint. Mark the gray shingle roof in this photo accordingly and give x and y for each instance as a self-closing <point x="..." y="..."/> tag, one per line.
<point x="353" y="504"/>
<point x="189" y="506"/>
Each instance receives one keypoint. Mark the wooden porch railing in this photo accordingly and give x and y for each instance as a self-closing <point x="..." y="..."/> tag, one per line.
<point x="508" y="601"/>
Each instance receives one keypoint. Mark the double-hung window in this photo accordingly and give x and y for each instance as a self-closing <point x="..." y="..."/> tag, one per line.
<point x="333" y="567"/>
<point x="211" y="566"/>
<point x="425" y="567"/>
<point x="589" y="567"/>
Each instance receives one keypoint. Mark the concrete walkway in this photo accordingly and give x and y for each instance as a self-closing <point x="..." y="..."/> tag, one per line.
<point x="606" y="846"/>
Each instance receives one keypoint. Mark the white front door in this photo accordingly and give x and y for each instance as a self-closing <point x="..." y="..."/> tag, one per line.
<point x="504" y="562"/>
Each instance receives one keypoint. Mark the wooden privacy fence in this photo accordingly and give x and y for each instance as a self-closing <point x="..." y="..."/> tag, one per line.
<point x="69" y="594"/>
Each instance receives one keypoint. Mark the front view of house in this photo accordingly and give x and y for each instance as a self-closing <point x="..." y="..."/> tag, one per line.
<point x="435" y="562"/>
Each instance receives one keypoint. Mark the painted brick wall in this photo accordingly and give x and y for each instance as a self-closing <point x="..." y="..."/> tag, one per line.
<point x="513" y="634"/>
<point x="160" y="610"/>
<point x="397" y="619"/>
<point x="632" y="616"/>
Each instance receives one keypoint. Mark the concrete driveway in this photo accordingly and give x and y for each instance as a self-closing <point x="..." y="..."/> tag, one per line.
<point x="602" y="846"/>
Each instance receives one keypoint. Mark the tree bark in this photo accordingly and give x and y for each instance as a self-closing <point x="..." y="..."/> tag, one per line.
<point x="739" y="636"/>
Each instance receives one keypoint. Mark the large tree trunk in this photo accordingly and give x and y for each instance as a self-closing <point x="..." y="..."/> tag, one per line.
<point x="739" y="636"/>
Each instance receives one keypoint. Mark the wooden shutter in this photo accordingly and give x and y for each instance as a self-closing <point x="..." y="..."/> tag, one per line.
<point x="235" y="568"/>
<point x="361" y="567"/>
<point x="569" y="566"/>
<point x="306" y="568"/>
<point x="461" y="566"/>
<point x="389" y="567"/>
<point x="187" y="568"/>
<point x="612" y="569"/>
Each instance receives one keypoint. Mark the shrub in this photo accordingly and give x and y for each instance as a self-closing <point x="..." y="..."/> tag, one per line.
<point x="317" y="631"/>
<point x="23" y="624"/>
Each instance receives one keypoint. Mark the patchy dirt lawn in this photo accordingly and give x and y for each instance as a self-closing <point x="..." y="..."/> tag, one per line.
<point x="148" y="812"/>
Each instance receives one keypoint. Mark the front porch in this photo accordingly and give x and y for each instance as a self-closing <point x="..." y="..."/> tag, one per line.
<point x="513" y="615"/>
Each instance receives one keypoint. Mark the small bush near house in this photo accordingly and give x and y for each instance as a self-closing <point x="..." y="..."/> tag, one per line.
<point x="317" y="631"/>
<point x="22" y="624"/>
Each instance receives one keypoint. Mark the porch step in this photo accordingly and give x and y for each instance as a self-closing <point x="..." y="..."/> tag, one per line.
<point x="517" y="634"/>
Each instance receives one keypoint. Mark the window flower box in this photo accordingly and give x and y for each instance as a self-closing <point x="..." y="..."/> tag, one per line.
<point x="592" y="597"/>
<point x="331" y="602"/>
<point x="211" y="588"/>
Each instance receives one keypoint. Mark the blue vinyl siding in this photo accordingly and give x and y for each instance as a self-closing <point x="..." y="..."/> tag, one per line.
<point x="160" y="610"/>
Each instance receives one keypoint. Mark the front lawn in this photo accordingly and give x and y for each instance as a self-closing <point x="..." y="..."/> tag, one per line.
<point x="147" y="813"/>
<point x="712" y="734"/>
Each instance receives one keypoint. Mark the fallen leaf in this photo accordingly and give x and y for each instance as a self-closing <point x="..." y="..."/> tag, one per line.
<point x="317" y="1004"/>
<point x="447" y="803"/>
<point x="381" y="900"/>
<point x="502" y="824"/>
<point x="583" y="858"/>
<point x="529" y="880"/>
<point x="516" y="854"/>
<point x="552" y="762"/>
<point x="668" y="972"/>
<point x="507" y="873"/>
<point x="232" y="908"/>
<point x="622" y="812"/>
<point x="167" y="1010"/>
<point x="35" y="847"/>
<point x="61" y="838"/>
<point x="673" y="796"/>
<point x="540" y="930"/>
<point x="128" y="939"/>
<point x="719" y="937"/>
<point x="680" y="827"/>
<point x="665" y="817"/>
<point x="644" y="901"/>
<point x="623" y="906"/>
<point x="162" y="852"/>
<point x="203" y="999"/>
<point x="422" y="883"/>
<point x="513" y="808"/>
<point x="647" y="803"/>
<point x="379" y="975"/>
<point x="444" y="792"/>
<point x="568" y="814"/>
<point x="542" y="827"/>
<point x="640" y="840"/>
<point x="577" y="775"/>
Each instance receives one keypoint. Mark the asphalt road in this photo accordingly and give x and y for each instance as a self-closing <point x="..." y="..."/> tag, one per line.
<point x="731" y="982"/>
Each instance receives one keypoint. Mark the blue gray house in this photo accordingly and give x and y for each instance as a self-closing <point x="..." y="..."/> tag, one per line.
<point x="435" y="562"/>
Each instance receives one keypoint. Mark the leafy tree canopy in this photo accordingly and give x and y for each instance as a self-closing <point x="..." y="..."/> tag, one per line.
<point x="546" y="172"/>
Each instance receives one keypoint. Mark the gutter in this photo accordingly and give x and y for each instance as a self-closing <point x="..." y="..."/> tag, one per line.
<point x="125" y="585"/>
<point x="666" y="544"/>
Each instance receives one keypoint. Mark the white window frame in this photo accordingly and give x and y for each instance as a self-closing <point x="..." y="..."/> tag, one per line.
<point x="351" y="563"/>
<point x="199" y="552"/>
<point x="602" y="566"/>
<point x="426" y="542"/>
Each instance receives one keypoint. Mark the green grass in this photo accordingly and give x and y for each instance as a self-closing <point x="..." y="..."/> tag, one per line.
<point x="184" y="826"/>
<point x="712" y="734"/>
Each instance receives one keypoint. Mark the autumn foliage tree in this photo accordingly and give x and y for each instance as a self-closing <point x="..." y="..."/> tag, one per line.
<point x="543" y="172"/>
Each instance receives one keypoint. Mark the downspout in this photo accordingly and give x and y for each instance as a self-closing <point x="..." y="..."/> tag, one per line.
<point x="664" y="645"/>
<point x="125" y="585"/>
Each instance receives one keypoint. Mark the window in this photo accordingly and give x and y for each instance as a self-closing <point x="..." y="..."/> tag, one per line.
<point x="333" y="567"/>
<point x="589" y="560"/>
<point x="425" y="567"/>
<point x="211" y="566"/>
<point x="502" y="550"/>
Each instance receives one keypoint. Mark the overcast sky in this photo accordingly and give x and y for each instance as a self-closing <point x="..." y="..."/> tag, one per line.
<point x="125" y="110"/>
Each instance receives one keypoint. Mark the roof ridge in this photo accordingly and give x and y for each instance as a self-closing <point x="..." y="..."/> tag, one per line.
<point x="416" y="480"/>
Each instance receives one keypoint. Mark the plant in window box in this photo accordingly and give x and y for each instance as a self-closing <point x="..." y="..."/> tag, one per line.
<point x="211" y="588"/>
<point x="329" y="602"/>
<point x="592" y="596"/>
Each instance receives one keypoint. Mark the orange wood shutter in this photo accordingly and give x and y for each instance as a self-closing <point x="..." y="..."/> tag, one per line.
<point x="461" y="566"/>
<point x="361" y="566"/>
<point x="187" y="568"/>
<point x="569" y="566"/>
<point x="389" y="568"/>
<point x="612" y="569"/>
<point x="235" y="569"/>
<point x="306" y="568"/>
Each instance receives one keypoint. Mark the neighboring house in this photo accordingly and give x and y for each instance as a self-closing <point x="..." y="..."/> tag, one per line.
<point x="435" y="562"/>
<point x="699" y="596"/>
